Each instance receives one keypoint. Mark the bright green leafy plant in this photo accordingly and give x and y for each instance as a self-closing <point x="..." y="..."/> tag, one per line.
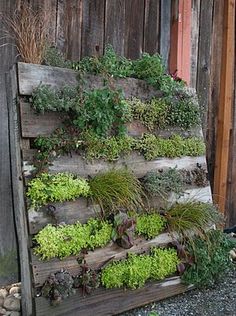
<point x="116" y="189"/>
<point x="150" y="225"/>
<point x="137" y="269"/>
<point x="66" y="240"/>
<point x="53" y="57"/>
<point x="60" y="187"/>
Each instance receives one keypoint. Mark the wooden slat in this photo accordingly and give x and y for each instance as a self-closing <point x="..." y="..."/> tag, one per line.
<point x="18" y="195"/>
<point x="225" y="106"/>
<point x="67" y="212"/>
<point x="165" y="20"/>
<point x="194" y="41"/>
<point x="135" y="162"/>
<point x="104" y="302"/>
<point x="93" y="27"/>
<point x="115" y="25"/>
<point x="95" y="259"/>
<point x="69" y="28"/>
<point x="151" y="27"/>
<point x="134" y="21"/>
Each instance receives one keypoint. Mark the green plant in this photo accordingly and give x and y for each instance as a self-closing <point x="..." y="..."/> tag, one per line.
<point x="196" y="176"/>
<point x="58" y="286"/>
<point x="116" y="189"/>
<point x="150" y="225"/>
<point x="53" y="57"/>
<point x="137" y="269"/>
<point x="152" y="114"/>
<point x="211" y="259"/>
<point x="162" y="182"/>
<point x="56" y="188"/>
<point x="153" y="147"/>
<point x="192" y="218"/>
<point x="103" y="111"/>
<point x="65" y="240"/>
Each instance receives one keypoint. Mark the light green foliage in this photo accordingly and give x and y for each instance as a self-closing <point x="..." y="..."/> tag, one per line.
<point x="153" y="114"/>
<point x="115" y="189"/>
<point x="150" y="225"/>
<point x="162" y="182"/>
<point x="153" y="147"/>
<point x="137" y="269"/>
<point x="66" y="240"/>
<point x="211" y="259"/>
<point x="110" y="148"/>
<point x="56" y="188"/>
<point x="103" y="111"/>
<point x="192" y="218"/>
<point x="53" y="57"/>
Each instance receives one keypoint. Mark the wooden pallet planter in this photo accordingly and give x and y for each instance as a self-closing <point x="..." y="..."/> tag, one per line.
<point x="101" y="302"/>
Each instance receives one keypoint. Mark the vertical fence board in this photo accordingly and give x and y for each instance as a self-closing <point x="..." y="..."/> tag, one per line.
<point x="165" y="20"/>
<point x="204" y="59"/>
<point x="194" y="41"/>
<point x="134" y="22"/>
<point x="68" y="33"/>
<point x="151" y="27"/>
<point x="93" y="27"/>
<point x="115" y="25"/>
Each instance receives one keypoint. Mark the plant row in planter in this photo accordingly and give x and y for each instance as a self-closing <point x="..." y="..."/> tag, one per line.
<point x="201" y="262"/>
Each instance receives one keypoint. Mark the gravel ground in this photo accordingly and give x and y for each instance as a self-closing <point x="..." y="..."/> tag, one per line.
<point x="219" y="300"/>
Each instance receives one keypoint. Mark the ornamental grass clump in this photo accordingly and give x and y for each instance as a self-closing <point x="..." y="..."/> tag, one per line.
<point x="138" y="269"/>
<point x="116" y="189"/>
<point x="60" y="187"/>
<point x="65" y="240"/>
<point x="150" y="225"/>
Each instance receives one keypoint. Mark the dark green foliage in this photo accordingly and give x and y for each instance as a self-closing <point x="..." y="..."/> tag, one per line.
<point x="153" y="147"/>
<point x="65" y="240"/>
<point x="211" y="259"/>
<point x="58" y="286"/>
<point x="163" y="182"/>
<point x="150" y="225"/>
<point x="56" y="188"/>
<point x="103" y="111"/>
<point x="192" y="218"/>
<point x="197" y="176"/>
<point x="53" y="57"/>
<point x="137" y="269"/>
<point x="116" y="189"/>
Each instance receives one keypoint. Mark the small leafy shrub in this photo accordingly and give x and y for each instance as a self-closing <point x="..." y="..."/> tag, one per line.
<point x="137" y="269"/>
<point x="66" y="240"/>
<point x="123" y="230"/>
<point x="58" y="286"/>
<point x="53" y="57"/>
<point x="110" y="148"/>
<point x="211" y="259"/>
<point x="116" y="189"/>
<point x="196" y="176"/>
<point x="163" y="182"/>
<point x="56" y="188"/>
<point x="153" y="147"/>
<point x="153" y="114"/>
<point x="103" y="111"/>
<point x="192" y="218"/>
<point x="150" y="225"/>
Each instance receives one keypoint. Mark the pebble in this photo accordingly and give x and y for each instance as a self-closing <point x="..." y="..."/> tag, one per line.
<point x="2" y="311"/>
<point x="12" y="303"/>
<point x="1" y="301"/>
<point x="3" y="293"/>
<point x="14" y="290"/>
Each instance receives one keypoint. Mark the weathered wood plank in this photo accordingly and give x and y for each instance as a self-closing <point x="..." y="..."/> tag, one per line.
<point x="115" y="25"/>
<point x="135" y="162"/>
<point x="69" y="28"/>
<point x="67" y="212"/>
<point x="18" y="195"/>
<point x="165" y="23"/>
<point x="151" y="27"/>
<point x="104" y="302"/>
<point x="134" y="21"/>
<point x="95" y="259"/>
<point x="194" y="41"/>
<point x="93" y="27"/>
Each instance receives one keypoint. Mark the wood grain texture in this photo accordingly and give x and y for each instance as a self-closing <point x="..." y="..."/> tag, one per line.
<point x="106" y="303"/>
<point x="115" y="25"/>
<point x="18" y="195"/>
<point x="93" y="27"/>
<point x="134" y="21"/>
<point x="151" y="26"/>
<point x="165" y="23"/>
<point x="95" y="259"/>
<point x="194" y="41"/>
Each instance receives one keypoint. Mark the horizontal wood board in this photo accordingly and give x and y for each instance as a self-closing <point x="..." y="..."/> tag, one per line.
<point x="104" y="302"/>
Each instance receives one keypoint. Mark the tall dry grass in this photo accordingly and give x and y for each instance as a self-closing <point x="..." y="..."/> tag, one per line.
<point x="28" y="29"/>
